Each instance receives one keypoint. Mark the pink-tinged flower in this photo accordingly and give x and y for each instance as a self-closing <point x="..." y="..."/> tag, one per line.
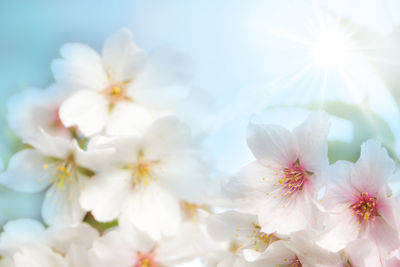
<point x="281" y="185"/>
<point x="360" y="201"/>
<point x="128" y="247"/>
<point x="34" y="109"/>
<point x="298" y="251"/>
<point x="361" y="252"/>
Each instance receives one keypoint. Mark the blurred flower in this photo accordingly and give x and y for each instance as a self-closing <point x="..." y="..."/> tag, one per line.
<point x="34" y="109"/>
<point x="25" y="242"/>
<point x="121" y="91"/>
<point x="242" y="232"/>
<point x="59" y="167"/>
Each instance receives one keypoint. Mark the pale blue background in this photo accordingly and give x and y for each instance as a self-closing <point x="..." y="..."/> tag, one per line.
<point x="244" y="54"/>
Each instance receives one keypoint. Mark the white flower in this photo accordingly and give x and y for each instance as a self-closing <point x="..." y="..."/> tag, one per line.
<point x="59" y="167"/>
<point x="122" y="90"/>
<point x="298" y="251"/>
<point x="25" y="242"/>
<point x="360" y="201"/>
<point x="127" y="247"/>
<point x="35" y="109"/>
<point x="242" y="233"/>
<point x="34" y="255"/>
<point x="150" y="177"/>
<point x="281" y="186"/>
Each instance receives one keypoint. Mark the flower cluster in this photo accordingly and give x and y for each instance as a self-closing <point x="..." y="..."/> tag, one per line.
<point x="125" y="183"/>
<point x="295" y="209"/>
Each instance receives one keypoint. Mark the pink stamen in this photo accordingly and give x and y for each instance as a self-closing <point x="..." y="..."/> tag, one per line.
<point x="145" y="260"/>
<point x="294" y="178"/>
<point x="296" y="263"/>
<point x="365" y="207"/>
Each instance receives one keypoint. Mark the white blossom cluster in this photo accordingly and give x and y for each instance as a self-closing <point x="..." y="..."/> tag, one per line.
<point x="106" y="145"/>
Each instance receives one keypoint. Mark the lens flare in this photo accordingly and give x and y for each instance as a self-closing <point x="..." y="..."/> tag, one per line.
<point x="330" y="50"/>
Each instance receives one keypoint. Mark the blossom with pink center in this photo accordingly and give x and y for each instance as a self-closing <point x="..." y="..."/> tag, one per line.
<point x="364" y="207"/>
<point x="145" y="260"/>
<point x="128" y="247"/>
<point x="33" y="110"/>
<point x="282" y="184"/>
<point x="360" y="201"/>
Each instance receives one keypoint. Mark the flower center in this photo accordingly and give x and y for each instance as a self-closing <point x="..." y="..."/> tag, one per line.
<point x="142" y="171"/>
<point x="294" y="178"/>
<point x="263" y="240"/>
<point x="190" y="210"/>
<point x="62" y="173"/>
<point x="256" y="239"/>
<point x="296" y="263"/>
<point x="116" y="92"/>
<point x="145" y="260"/>
<point x="365" y="207"/>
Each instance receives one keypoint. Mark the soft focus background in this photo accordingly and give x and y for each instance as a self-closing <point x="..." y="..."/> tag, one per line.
<point x="268" y="61"/>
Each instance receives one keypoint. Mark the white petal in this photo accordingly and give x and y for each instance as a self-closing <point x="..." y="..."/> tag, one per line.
<point x="388" y="208"/>
<point x="7" y="262"/>
<point x="385" y="236"/>
<point x="104" y="194"/>
<point x="373" y="168"/>
<point x="309" y="254"/>
<point x="184" y="176"/>
<point x="61" y="206"/>
<point x="312" y="141"/>
<point x="33" y="109"/>
<point x="362" y="252"/>
<point x="250" y="186"/>
<point x="95" y="160"/>
<point x="153" y="211"/>
<point x="272" y="142"/>
<point x="121" y="57"/>
<point x="80" y="67"/>
<point x="86" y="109"/>
<point x="28" y="111"/>
<point x="166" y="136"/>
<point x="61" y="239"/>
<point x="278" y="254"/>
<point x="224" y="226"/>
<point x="188" y="244"/>
<point x="18" y="232"/>
<point x="340" y="232"/>
<point x="127" y="147"/>
<point x="50" y="145"/>
<point x="26" y="172"/>
<point x="128" y="118"/>
<point x="77" y="256"/>
<point x="113" y="250"/>
<point x="286" y="216"/>
<point x="339" y="193"/>
<point x="38" y="256"/>
<point x="163" y="81"/>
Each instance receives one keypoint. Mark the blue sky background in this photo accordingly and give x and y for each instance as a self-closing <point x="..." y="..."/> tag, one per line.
<point x="252" y="60"/>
